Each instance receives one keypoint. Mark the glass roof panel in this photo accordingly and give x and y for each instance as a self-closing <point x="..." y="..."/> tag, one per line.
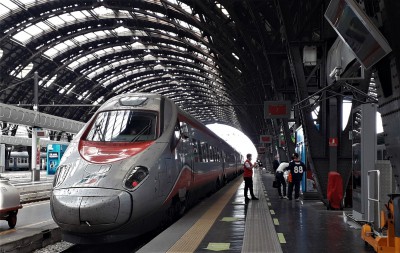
<point x="22" y="37"/>
<point x="79" y="14"/>
<point x="9" y="5"/>
<point x="186" y="7"/>
<point x="4" y="11"/>
<point x="58" y="22"/>
<point x="25" y="71"/>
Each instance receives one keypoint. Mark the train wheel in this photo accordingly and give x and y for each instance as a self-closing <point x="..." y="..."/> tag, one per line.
<point x="12" y="220"/>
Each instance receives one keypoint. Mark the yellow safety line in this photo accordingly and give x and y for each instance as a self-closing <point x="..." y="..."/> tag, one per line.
<point x="272" y="211"/>
<point x="8" y="231"/>
<point x="276" y="222"/>
<point x="193" y="237"/>
<point x="281" y="238"/>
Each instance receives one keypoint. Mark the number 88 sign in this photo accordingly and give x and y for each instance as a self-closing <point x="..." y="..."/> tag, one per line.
<point x="298" y="169"/>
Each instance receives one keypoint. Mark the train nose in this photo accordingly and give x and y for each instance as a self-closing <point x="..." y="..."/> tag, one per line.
<point x="89" y="210"/>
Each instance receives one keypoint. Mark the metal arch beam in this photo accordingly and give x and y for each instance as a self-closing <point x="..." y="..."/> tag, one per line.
<point x="200" y="7"/>
<point x="152" y="73"/>
<point x="41" y="17"/>
<point x="174" y="52"/>
<point x="22" y="141"/>
<point x="174" y="62"/>
<point x="87" y="23"/>
<point x="142" y="85"/>
<point x="21" y="116"/>
<point x="171" y="43"/>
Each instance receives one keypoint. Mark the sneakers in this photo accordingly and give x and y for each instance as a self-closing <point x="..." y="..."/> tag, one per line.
<point x="285" y="197"/>
<point x="246" y="199"/>
<point x="297" y="200"/>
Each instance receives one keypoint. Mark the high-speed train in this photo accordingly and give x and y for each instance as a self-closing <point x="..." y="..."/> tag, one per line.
<point x="140" y="161"/>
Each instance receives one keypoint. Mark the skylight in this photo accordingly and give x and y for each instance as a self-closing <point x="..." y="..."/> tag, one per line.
<point x="223" y="10"/>
<point x="25" y="71"/>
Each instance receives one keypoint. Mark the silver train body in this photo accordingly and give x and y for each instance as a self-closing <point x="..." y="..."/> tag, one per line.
<point x="139" y="162"/>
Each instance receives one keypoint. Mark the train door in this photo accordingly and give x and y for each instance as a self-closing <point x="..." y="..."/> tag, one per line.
<point x="165" y="177"/>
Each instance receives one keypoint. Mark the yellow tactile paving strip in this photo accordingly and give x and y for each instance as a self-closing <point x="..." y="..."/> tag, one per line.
<point x="193" y="237"/>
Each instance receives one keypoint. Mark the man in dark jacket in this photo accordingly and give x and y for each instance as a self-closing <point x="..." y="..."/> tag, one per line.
<point x="296" y="168"/>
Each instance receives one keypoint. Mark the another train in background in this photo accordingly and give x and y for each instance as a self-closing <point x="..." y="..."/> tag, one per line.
<point x="19" y="160"/>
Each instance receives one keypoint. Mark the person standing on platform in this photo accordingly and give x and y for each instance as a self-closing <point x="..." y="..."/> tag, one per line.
<point x="281" y="180"/>
<point x="248" y="178"/>
<point x="296" y="168"/>
<point x="275" y="164"/>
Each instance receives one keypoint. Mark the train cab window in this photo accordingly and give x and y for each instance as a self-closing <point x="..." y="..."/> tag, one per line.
<point x="123" y="126"/>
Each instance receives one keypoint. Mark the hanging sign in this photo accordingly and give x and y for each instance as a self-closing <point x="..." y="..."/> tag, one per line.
<point x="265" y="139"/>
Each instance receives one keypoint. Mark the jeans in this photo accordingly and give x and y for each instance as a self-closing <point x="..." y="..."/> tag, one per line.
<point x="282" y="182"/>
<point x="296" y="186"/>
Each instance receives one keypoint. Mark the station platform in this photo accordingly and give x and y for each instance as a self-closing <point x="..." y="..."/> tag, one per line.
<point x="221" y="222"/>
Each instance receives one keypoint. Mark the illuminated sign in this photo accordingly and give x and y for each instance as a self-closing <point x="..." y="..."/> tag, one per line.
<point x="261" y="150"/>
<point x="265" y="139"/>
<point x="276" y="109"/>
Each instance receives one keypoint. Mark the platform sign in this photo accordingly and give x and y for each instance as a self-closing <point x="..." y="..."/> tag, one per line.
<point x="261" y="150"/>
<point x="265" y="138"/>
<point x="40" y="133"/>
<point x="277" y="109"/>
<point x="54" y="155"/>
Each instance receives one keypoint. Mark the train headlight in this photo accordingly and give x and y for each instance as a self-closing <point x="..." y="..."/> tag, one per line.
<point x="135" y="176"/>
<point x="61" y="174"/>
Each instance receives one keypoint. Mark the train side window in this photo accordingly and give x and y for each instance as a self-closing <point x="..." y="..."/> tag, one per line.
<point x="195" y="150"/>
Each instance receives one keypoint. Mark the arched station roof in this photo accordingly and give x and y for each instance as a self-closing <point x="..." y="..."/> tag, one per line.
<point x="211" y="57"/>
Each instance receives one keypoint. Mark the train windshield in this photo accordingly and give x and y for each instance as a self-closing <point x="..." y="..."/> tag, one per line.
<point x="123" y="126"/>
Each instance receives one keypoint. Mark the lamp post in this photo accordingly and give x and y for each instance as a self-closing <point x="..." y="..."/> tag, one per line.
<point x="35" y="159"/>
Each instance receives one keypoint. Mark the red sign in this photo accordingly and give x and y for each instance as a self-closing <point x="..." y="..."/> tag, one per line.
<point x="265" y="139"/>
<point x="333" y="142"/>
<point x="261" y="150"/>
<point x="276" y="109"/>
